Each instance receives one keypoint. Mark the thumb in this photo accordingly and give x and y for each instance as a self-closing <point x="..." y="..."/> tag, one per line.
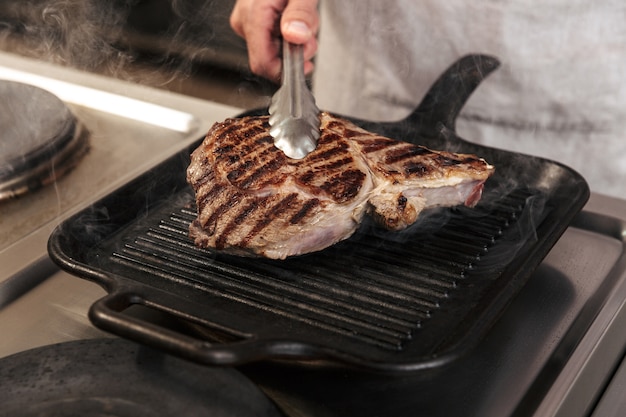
<point x="300" y="21"/>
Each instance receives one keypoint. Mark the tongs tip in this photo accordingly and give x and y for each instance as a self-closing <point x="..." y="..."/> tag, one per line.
<point x="294" y="116"/>
<point x="295" y="137"/>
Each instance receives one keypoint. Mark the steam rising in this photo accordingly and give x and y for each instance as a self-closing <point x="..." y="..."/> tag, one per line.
<point x="102" y="36"/>
<point x="78" y="33"/>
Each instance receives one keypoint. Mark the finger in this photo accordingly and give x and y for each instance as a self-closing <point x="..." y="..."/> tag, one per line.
<point x="300" y="21"/>
<point x="258" y="23"/>
<point x="264" y="58"/>
<point x="236" y="19"/>
<point x="310" y="48"/>
<point x="308" y="67"/>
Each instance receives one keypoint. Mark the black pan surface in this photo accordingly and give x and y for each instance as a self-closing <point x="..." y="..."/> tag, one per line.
<point x="116" y="377"/>
<point x="382" y="301"/>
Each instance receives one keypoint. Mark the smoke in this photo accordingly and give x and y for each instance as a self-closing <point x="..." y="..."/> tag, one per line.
<point x="164" y="39"/>
<point x="80" y="33"/>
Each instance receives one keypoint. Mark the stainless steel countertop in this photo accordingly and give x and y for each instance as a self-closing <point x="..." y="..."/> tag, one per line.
<point x="132" y="128"/>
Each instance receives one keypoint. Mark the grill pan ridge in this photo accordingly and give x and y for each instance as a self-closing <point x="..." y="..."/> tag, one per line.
<point x="381" y="296"/>
<point x="383" y="301"/>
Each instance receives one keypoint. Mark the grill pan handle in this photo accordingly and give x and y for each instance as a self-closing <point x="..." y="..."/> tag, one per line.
<point x="108" y="314"/>
<point x="442" y="103"/>
<point x="447" y="96"/>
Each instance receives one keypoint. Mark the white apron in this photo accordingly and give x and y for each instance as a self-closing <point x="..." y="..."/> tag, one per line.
<point x="560" y="92"/>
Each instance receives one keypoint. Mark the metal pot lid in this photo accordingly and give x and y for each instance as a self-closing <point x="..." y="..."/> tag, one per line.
<point x="40" y="141"/>
<point x="115" y="377"/>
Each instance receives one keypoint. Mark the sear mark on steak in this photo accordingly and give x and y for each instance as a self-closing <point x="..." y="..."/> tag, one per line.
<point x="252" y="200"/>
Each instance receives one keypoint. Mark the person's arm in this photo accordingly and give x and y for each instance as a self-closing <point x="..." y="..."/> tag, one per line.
<point x="262" y="22"/>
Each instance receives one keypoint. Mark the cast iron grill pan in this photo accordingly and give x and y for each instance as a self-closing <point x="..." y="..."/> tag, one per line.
<point x="384" y="301"/>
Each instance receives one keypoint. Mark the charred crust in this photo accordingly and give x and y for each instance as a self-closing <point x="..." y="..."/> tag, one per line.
<point x="206" y="176"/>
<point x="452" y="160"/>
<point x="223" y="129"/>
<point x="208" y="196"/>
<point x="376" y="144"/>
<point x="328" y="138"/>
<point x="329" y="151"/>
<point x="340" y="128"/>
<point x="265" y="172"/>
<point x="337" y="163"/>
<point x="447" y="162"/>
<point x="258" y="131"/>
<point x="402" y="202"/>
<point x="221" y="209"/>
<point x="265" y="140"/>
<point x="307" y="207"/>
<point x="350" y="133"/>
<point x="271" y="214"/>
<point x="244" y="213"/>
<point x="307" y="177"/>
<point x="413" y="168"/>
<point x="345" y="186"/>
<point x="224" y="149"/>
<point x="333" y="124"/>
<point x="234" y="175"/>
<point x="405" y="152"/>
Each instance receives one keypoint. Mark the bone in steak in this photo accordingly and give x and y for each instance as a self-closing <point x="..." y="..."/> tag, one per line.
<point x="253" y="200"/>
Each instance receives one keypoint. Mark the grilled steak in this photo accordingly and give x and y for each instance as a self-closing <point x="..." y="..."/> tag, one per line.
<point x="253" y="200"/>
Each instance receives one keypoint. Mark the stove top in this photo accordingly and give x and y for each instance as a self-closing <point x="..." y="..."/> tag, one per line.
<point x="131" y="128"/>
<point x="41" y="141"/>
<point x="551" y="354"/>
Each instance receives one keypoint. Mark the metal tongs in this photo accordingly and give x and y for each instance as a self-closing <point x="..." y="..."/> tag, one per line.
<point x="294" y="117"/>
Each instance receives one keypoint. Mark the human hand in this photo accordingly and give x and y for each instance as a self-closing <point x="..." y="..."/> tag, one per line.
<point x="262" y="23"/>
